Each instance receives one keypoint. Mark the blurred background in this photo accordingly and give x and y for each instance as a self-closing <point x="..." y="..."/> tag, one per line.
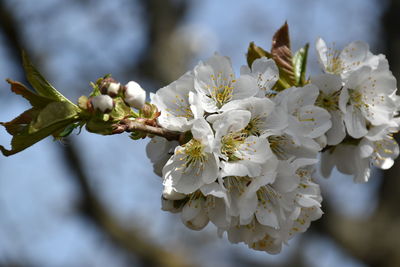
<point x="94" y="201"/>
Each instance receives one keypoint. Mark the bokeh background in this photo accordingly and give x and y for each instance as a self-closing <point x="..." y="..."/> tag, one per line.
<point x="94" y="201"/>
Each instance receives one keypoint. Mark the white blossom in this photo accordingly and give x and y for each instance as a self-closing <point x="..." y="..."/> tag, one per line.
<point x="217" y="84"/>
<point x="242" y="154"/>
<point x="159" y="150"/>
<point x="355" y="157"/>
<point x="330" y="86"/>
<point x="178" y="103"/>
<point x="265" y="116"/>
<point x="352" y="57"/>
<point x="305" y="120"/>
<point x="278" y="208"/>
<point x="194" y="163"/>
<point x="194" y="214"/>
<point x="366" y="99"/>
<point x="266" y="73"/>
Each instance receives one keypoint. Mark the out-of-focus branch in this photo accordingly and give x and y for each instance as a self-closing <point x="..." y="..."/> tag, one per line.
<point x="374" y="240"/>
<point x="131" y="240"/>
<point x="162" y="59"/>
<point x="9" y="26"/>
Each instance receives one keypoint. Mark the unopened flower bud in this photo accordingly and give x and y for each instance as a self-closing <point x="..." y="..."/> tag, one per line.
<point x="113" y="89"/>
<point x="103" y="103"/>
<point x="134" y="94"/>
<point x="109" y="86"/>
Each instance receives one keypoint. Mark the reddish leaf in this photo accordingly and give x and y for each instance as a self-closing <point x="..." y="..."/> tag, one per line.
<point x="33" y="98"/>
<point x="282" y="54"/>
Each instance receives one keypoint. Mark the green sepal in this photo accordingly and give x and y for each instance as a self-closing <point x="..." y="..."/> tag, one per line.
<point x="96" y="89"/>
<point x="121" y="110"/>
<point x="300" y="65"/>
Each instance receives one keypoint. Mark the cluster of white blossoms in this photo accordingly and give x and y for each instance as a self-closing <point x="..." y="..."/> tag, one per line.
<point x="359" y="91"/>
<point x="250" y="152"/>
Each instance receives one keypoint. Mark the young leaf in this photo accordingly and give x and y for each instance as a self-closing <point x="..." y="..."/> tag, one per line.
<point x="53" y="113"/>
<point x="33" y="125"/>
<point x="254" y="52"/>
<point x="300" y="65"/>
<point x="282" y="54"/>
<point x="39" y="83"/>
<point x="18" y="124"/>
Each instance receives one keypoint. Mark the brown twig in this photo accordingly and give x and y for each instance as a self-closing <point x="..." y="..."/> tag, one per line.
<point x="128" y="125"/>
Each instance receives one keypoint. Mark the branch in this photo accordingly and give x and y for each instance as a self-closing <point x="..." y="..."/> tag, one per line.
<point x="373" y="240"/>
<point x="128" y="125"/>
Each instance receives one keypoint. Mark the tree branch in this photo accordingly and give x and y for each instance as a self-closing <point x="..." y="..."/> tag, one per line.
<point x="128" y="125"/>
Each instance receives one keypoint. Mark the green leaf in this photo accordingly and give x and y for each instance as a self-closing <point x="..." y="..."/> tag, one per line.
<point x="254" y="52"/>
<point x="39" y="83"/>
<point x="300" y="65"/>
<point x="52" y="113"/>
<point x="34" y="125"/>
<point x="18" y="124"/>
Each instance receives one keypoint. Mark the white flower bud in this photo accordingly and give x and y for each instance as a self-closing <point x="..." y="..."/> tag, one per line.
<point x="135" y="96"/>
<point x="113" y="89"/>
<point x="103" y="103"/>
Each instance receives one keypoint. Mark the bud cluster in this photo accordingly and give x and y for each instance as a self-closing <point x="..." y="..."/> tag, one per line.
<point x="108" y="89"/>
